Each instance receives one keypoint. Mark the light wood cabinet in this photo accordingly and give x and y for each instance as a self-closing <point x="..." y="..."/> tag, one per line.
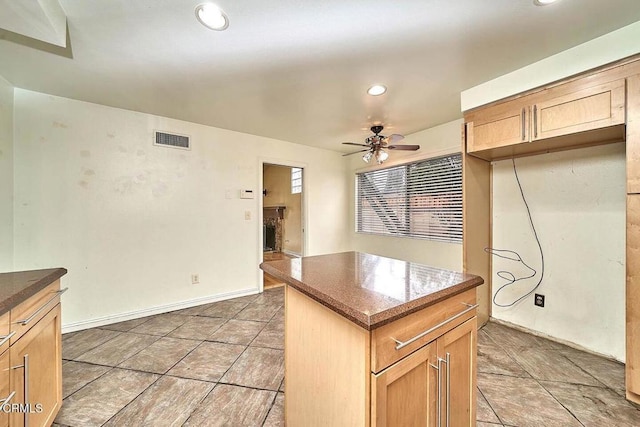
<point x="579" y="113"/>
<point x="339" y="374"/>
<point x="36" y="374"/>
<point x="6" y="392"/>
<point x="598" y="107"/>
<point x="632" y="298"/>
<point x="432" y="387"/>
<point x="633" y="134"/>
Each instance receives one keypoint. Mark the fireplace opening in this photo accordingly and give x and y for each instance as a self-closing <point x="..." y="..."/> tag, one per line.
<point x="269" y="237"/>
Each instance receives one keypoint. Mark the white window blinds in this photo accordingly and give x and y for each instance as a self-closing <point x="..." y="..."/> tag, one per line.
<point x="422" y="199"/>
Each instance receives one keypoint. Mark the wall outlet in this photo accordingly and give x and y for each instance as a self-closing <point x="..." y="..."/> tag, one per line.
<point x="247" y="215"/>
<point x="538" y="300"/>
<point x="195" y="279"/>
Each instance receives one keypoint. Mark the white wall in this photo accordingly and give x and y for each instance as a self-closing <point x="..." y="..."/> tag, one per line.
<point x="608" y="48"/>
<point x="132" y="221"/>
<point x="6" y="176"/>
<point x="577" y="200"/>
<point x="436" y="141"/>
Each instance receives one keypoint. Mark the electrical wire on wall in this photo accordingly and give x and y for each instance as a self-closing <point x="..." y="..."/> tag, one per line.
<point x="508" y="276"/>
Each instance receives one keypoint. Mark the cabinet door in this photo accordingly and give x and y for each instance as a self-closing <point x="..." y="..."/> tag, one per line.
<point x="6" y="398"/>
<point x="583" y="110"/>
<point x="633" y="134"/>
<point x="405" y="393"/>
<point x="36" y="375"/>
<point x="458" y="348"/>
<point x="632" y="367"/>
<point x="499" y="126"/>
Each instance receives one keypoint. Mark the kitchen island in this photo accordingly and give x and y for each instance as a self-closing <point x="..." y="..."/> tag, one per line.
<point x="30" y="347"/>
<point x="376" y="341"/>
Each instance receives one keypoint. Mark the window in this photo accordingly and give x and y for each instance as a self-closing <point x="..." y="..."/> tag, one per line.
<point x="296" y="180"/>
<point x="422" y="199"/>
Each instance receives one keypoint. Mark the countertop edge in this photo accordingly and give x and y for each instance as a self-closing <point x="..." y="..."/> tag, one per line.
<point x="31" y="289"/>
<point x="380" y="319"/>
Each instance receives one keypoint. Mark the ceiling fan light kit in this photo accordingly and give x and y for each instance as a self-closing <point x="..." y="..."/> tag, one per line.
<point x="212" y="17"/>
<point x="376" y="145"/>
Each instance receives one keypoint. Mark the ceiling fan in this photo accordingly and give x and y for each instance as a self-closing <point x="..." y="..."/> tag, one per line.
<point x="377" y="144"/>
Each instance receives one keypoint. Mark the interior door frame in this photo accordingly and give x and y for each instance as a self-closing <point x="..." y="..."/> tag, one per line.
<point x="262" y="161"/>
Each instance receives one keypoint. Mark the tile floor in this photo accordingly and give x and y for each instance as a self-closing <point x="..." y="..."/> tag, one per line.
<point x="222" y="364"/>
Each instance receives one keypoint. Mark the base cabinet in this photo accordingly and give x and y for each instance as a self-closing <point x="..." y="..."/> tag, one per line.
<point x="36" y="373"/>
<point x="339" y="374"/>
<point x="432" y="387"/>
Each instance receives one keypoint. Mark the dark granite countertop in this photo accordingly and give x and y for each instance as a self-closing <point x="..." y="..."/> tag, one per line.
<point x="370" y="290"/>
<point x="16" y="287"/>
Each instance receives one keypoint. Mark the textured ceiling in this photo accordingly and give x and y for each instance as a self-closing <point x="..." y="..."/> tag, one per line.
<point x="299" y="70"/>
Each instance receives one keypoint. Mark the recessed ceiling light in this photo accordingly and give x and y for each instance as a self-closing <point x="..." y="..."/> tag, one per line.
<point x="211" y="16"/>
<point x="376" y="90"/>
<point x="543" y="2"/>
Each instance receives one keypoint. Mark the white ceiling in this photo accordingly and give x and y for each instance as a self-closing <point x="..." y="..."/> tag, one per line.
<point x="298" y="70"/>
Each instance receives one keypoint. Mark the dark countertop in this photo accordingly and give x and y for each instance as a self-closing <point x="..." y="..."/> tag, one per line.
<point x="370" y="290"/>
<point x="18" y="286"/>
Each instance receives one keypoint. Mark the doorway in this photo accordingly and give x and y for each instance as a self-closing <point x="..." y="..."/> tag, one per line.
<point x="282" y="215"/>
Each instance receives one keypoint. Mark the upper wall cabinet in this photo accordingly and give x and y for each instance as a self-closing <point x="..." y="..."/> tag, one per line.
<point x="578" y="113"/>
<point x="633" y="134"/>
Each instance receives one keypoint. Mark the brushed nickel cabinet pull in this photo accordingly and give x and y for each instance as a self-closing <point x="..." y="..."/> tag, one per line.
<point x="6" y="338"/>
<point x="401" y="344"/>
<point x="26" y="321"/>
<point x="439" y="409"/>
<point x="524" y="130"/>
<point x="8" y="398"/>
<point x="535" y="121"/>
<point x="447" y="360"/>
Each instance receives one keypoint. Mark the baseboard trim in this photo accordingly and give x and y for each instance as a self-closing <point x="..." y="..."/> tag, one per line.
<point x="107" y="320"/>
<point x="290" y="253"/>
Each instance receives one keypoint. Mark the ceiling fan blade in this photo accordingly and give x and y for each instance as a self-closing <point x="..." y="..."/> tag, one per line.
<point x="404" y="147"/>
<point x="355" y="152"/>
<point x="394" y="138"/>
<point x="355" y="143"/>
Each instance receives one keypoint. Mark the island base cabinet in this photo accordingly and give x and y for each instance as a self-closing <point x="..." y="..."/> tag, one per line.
<point x="432" y="387"/>
<point x="36" y="373"/>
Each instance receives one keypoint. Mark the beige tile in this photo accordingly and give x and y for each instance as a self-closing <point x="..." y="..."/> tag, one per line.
<point x="484" y="411"/>
<point x="492" y="359"/>
<point x="245" y="299"/>
<point x="595" y="406"/>
<point x="76" y="375"/>
<point x="208" y="362"/>
<point x="608" y="372"/>
<point x="168" y="402"/>
<point x="119" y="349"/>
<point x="192" y="311"/>
<point x="512" y="339"/>
<point x="258" y="312"/>
<point x="224" y="309"/>
<point x="276" y="414"/>
<point x="551" y="365"/>
<point x="237" y="332"/>
<point x="161" y="324"/>
<point x="78" y="343"/>
<point x="125" y="326"/>
<point x="229" y="405"/>
<point x="257" y="367"/>
<point x="483" y="424"/>
<point x="160" y="356"/>
<point x="523" y="402"/>
<point x="272" y="336"/>
<point x="198" y="328"/>
<point x="103" y="398"/>
<point x="271" y="296"/>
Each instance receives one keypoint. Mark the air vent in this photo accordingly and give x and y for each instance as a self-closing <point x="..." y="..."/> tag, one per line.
<point x="172" y="140"/>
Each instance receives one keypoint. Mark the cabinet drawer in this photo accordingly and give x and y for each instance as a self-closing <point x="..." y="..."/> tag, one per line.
<point x="419" y="328"/>
<point x="27" y="314"/>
